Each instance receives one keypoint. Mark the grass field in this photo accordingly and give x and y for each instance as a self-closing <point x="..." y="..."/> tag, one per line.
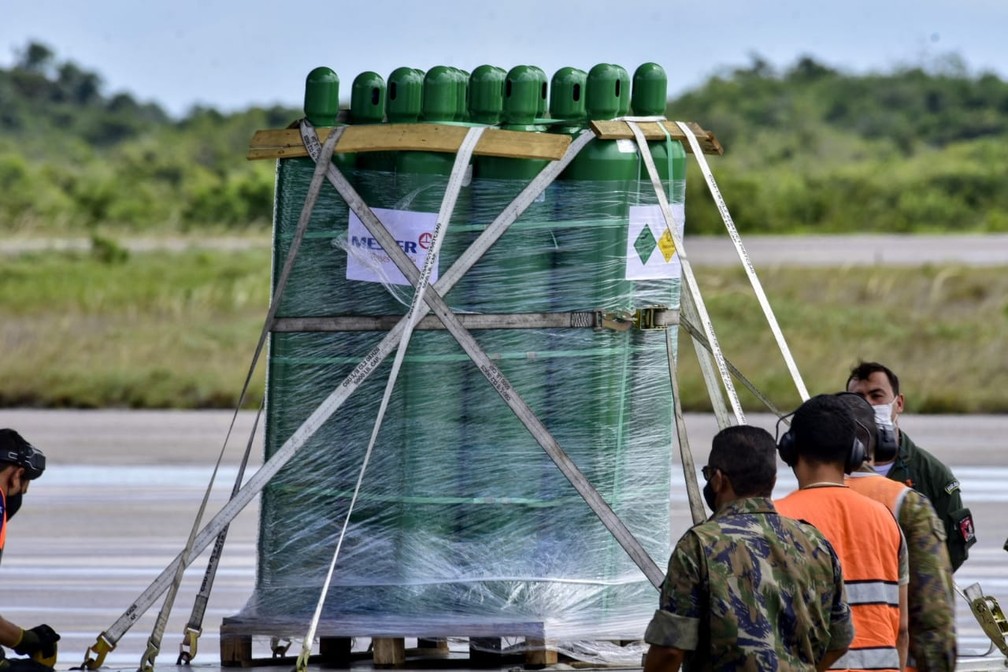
<point x="177" y="329"/>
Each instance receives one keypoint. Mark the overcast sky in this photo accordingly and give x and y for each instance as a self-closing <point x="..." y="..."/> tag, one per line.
<point x="231" y="54"/>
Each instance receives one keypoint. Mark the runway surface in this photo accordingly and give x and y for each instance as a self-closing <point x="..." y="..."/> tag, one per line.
<point x="122" y="488"/>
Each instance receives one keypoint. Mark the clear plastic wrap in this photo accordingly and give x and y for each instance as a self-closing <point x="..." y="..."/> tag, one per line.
<point x="464" y="527"/>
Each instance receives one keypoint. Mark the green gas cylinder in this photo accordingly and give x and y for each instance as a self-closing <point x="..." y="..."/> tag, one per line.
<point x="431" y="380"/>
<point x="367" y="106"/>
<point x="590" y="220"/>
<point x="486" y="94"/>
<point x="321" y="108"/>
<point x="650" y="86"/>
<point x="567" y="100"/>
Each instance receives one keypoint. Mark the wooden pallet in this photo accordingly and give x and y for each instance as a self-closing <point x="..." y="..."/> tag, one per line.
<point x="486" y="641"/>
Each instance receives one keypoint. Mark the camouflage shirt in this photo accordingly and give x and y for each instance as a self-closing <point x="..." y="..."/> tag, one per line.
<point x="930" y="594"/>
<point x="749" y="589"/>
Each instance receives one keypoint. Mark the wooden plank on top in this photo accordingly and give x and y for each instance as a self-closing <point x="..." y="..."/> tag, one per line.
<point x="618" y="129"/>
<point x="286" y="143"/>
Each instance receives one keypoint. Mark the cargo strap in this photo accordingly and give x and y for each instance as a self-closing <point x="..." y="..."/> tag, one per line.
<point x="493" y="374"/>
<point x="701" y="342"/>
<point x="170" y="578"/>
<point x="744" y="257"/>
<point x="107" y="639"/>
<point x="458" y="174"/>
<point x="697" y="512"/>
<point x="157" y="633"/>
<point x="689" y="280"/>
<point x="656" y="317"/>
<point x="194" y="628"/>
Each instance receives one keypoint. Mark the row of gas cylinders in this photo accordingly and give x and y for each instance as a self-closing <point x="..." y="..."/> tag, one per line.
<point x="520" y="99"/>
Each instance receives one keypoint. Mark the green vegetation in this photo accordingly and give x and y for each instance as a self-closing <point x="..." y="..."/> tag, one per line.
<point x="110" y="328"/>
<point x="808" y="149"/>
<point x="75" y="161"/>
<point x="812" y="149"/>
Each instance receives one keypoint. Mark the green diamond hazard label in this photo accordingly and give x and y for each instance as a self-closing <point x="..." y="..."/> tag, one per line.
<point x="645" y="244"/>
<point x="647" y="230"/>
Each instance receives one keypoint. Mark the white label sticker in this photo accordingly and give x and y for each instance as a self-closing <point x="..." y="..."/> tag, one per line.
<point x="367" y="260"/>
<point x="651" y="252"/>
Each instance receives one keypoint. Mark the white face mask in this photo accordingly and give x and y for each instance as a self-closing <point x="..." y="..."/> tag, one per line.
<point x="883" y="414"/>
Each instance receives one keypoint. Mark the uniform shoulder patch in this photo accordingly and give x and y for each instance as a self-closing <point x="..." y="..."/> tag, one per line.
<point x="952" y="487"/>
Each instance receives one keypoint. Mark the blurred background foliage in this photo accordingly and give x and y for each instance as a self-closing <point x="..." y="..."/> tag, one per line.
<point x="809" y="148"/>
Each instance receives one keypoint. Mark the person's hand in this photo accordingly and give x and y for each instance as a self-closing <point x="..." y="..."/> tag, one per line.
<point x="40" y="639"/>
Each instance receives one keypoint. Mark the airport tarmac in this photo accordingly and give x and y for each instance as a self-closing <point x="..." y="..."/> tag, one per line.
<point x="122" y="489"/>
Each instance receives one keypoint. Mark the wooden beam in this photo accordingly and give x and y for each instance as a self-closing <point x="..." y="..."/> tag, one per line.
<point x="286" y="143"/>
<point x="653" y="130"/>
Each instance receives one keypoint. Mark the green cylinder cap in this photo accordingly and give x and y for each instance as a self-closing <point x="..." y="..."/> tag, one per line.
<point x="603" y="88"/>
<point x="367" y="98"/>
<point x="521" y="95"/>
<point x="404" y="95"/>
<point x="650" y="90"/>
<point x="486" y="94"/>
<point x="440" y="91"/>
<point x="321" y="98"/>
<point x="567" y="94"/>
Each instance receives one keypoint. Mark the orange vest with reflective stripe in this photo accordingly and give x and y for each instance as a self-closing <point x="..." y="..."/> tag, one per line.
<point x="881" y="489"/>
<point x="867" y="540"/>
<point x="885" y="491"/>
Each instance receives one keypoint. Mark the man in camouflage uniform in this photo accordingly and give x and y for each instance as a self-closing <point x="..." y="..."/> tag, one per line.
<point x="912" y="465"/>
<point x="930" y="594"/>
<point x="748" y="589"/>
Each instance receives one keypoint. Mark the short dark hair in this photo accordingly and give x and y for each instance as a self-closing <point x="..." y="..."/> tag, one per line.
<point x="864" y="415"/>
<point x="748" y="456"/>
<point x="823" y="429"/>
<point x="865" y="369"/>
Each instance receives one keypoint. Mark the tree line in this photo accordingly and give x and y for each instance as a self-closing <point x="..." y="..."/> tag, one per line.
<point x="809" y="148"/>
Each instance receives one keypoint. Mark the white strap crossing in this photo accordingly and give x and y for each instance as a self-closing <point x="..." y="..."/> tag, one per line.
<point x="689" y="280"/>
<point x="744" y="257"/>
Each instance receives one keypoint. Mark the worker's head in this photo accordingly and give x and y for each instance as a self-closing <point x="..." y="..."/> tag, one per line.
<point x="880" y="387"/>
<point x="824" y="433"/>
<point x="20" y="463"/>
<point x="741" y="464"/>
<point x="864" y="416"/>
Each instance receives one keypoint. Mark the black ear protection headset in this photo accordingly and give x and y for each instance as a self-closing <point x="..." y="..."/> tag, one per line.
<point x="19" y="452"/>
<point x="788" y="450"/>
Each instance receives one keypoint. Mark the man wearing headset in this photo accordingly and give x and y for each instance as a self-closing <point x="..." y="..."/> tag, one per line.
<point x="20" y="464"/>
<point x="907" y="463"/>
<point x="748" y="589"/>
<point x="823" y="443"/>
<point x="930" y="593"/>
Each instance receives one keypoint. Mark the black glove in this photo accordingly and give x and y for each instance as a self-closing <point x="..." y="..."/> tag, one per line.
<point x="41" y="639"/>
